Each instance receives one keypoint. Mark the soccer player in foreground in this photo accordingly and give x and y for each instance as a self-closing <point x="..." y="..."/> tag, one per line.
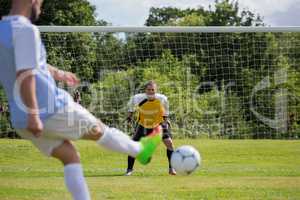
<point x="153" y="111"/>
<point x="46" y="114"/>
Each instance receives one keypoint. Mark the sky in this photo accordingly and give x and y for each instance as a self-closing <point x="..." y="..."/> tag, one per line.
<point x="135" y="12"/>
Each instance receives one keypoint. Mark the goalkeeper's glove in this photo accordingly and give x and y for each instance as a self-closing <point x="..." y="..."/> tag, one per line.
<point x="166" y="123"/>
<point x="129" y="119"/>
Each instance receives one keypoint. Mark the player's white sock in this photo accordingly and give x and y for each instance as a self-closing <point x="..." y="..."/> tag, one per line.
<point x="75" y="182"/>
<point x="116" y="140"/>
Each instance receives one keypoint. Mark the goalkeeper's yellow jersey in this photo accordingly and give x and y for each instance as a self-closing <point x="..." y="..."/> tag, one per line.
<point x="150" y="113"/>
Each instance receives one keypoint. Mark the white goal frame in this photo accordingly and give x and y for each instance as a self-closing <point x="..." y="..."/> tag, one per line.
<point x="159" y="29"/>
<point x="180" y="29"/>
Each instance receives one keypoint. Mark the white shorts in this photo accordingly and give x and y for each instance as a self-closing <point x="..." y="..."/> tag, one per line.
<point x="70" y="123"/>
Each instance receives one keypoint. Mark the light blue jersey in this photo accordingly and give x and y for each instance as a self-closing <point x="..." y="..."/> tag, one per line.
<point x="20" y="49"/>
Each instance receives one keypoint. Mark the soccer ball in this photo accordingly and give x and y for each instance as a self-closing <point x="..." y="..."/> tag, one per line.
<point x="185" y="159"/>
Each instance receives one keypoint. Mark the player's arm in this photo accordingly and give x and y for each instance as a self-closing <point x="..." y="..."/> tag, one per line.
<point x="131" y="109"/>
<point x="165" y="118"/>
<point x="166" y="112"/>
<point x="166" y="121"/>
<point x="165" y="103"/>
<point x="27" y="86"/>
<point x="26" y="61"/>
<point x="130" y="117"/>
<point x="59" y="75"/>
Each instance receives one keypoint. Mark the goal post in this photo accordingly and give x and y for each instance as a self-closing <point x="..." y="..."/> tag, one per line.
<point x="221" y="82"/>
<point x="228" y="82"/>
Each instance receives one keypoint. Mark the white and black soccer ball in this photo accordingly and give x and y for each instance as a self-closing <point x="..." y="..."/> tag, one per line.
<point x="185" y="159"/>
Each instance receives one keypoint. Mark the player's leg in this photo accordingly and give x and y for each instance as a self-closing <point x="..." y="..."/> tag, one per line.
<point x="63" y="150"/>
<point x="170" y="148"/>
<point x="111" y="138"/>
<point x="75" y="122"/>
<point x="116" y="140"/>
<point x="167" y="139"/>
<point x="139" y="133"/>
<point x="74" y="178"/>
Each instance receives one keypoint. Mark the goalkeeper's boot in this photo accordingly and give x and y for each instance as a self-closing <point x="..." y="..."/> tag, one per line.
<point x="129" y="172"/>
<point x="172" y="171"/>
<point x="149" y="144"/>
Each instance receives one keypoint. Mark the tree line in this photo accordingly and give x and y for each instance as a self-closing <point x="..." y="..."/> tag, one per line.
<point x="209" y="78"/>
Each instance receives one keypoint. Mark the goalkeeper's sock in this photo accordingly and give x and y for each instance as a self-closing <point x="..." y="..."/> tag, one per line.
<point x="130" y="162"/>
<point x="169" y="154"/>
<point x="75" y="182"/>
<point x="116" y="140"/>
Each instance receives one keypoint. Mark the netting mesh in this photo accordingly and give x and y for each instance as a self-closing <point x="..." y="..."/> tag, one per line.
<point x="219" y="85"/>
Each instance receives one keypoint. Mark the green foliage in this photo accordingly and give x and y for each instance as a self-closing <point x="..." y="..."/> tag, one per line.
<point x="4" y="7"/>
<point x="75" y="53"/>
<point x="193" y="19"/>
<point x="225" y="13"/>
<point x="161" y="16"/>
<point x="209" y="78"/>
<point x="68" y="12"/>
<point x="233" y="123"/>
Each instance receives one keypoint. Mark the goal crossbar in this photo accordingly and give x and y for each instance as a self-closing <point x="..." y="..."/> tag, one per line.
<point x="159" y="29"/>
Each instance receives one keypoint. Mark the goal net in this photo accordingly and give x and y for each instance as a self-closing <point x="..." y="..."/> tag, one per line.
<point x="221" y="82"/>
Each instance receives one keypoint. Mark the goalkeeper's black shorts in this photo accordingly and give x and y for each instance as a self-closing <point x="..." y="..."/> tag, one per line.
<point x="141" y="131"/>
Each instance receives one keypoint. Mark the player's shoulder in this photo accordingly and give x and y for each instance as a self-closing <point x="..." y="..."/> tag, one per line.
<point x="27" y="29"/>
<point x="161" y="97"/>
<point x="21" y="22"/>
<point x="24" y="27"/>
<point x="139" y="97"/>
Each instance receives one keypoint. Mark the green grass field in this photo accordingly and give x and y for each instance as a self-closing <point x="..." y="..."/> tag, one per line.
<point x="231" y="169"/>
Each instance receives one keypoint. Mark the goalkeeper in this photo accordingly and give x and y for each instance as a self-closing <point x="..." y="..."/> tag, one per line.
<point x="152" y="109"/>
